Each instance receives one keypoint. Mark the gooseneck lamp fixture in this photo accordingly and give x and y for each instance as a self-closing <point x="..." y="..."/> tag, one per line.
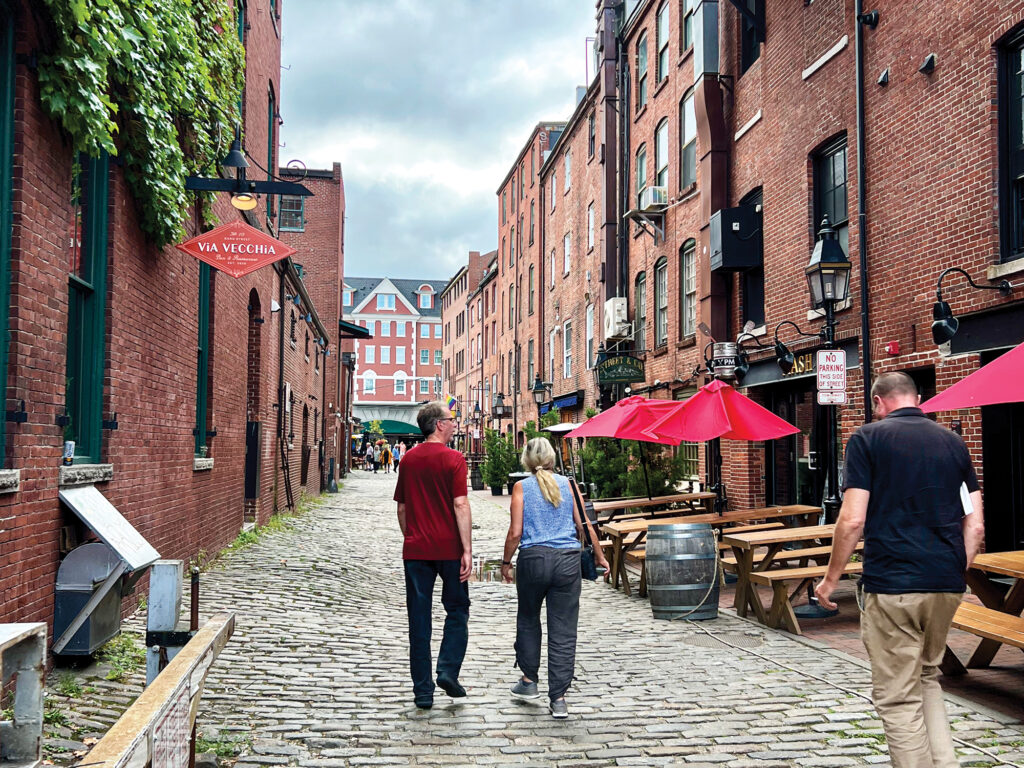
<point x="944" y="324"/>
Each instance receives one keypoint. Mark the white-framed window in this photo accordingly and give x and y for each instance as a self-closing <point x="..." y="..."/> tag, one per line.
<point x="369" y="384"/>
<point x="512" y="247"/>
<point x="529" y="362"/>
<point x="400" y="328"/>
<point x="689" y="270"/>
<point x="385" y="355"/>
<point x="551" y="354"/>
<point x="661" y="154"/>
<point x="641" y="72"/>
<point x="640" y="311"/>
<point x="590" y="336"/>
<point x="386" y="301"/>
<point x="437" y="356"/>
<point x="399" y="383"/>
<point x="424" y="331"/>
<point x="424" y="357"/>
<point x="641" y="172"/>
<point x="400" y="355"/>
<point x="371" y="353"/>
<point x="371" y="326"/>
<point x="567" y="253"/>
<point x="662" y="25"/>
<point x="552" y="270"/>
<point x="686" y="39"/>
<point x="567" y="349"/>
<point x="347" y="298"/>
<point x="687" y="142"/>
<point x="590" y="226"/>
<point x="554" y="186"/>
<point x="426" y="300"/>
<point x="437" y="331"/>
<point x="424" y="386"/>
<point x="385" y="327"/>
<point x="661" y="303"/>
<point x="568" y="170"/>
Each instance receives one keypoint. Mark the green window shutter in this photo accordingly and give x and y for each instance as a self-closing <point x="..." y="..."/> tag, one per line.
<point x="6" y="179"/>
<point x="87" y="300"/>
<point x="203" y="357"/>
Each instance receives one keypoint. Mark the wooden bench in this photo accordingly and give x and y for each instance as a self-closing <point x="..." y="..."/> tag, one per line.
<point x="987" y="623"/>
<point x="819" y="555"/>
<point x="781" y="611"/>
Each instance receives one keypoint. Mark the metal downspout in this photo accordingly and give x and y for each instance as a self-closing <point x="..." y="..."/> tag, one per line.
<point x="862" y="233"/>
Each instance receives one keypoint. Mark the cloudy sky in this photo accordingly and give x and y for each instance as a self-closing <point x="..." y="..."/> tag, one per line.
<point x="425" y="104"/>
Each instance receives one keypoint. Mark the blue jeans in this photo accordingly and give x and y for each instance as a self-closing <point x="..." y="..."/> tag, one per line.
<point x="419" y="598"/>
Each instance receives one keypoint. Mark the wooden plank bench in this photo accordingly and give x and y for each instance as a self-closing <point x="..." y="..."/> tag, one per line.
<point x="819" y="555"/>
<point x="986" y="623"/>
<point x="781" y="611"/>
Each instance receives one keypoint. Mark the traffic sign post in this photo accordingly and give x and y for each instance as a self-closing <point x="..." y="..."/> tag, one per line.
<point x="831" y="370"/>
<point x="831" y="397"/>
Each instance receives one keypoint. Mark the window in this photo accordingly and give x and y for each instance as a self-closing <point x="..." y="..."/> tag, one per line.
<point x="533" y="165"/>
<point x="400" y="355"/>
<point x="687" y="142"/>
<point x="531" y="288"/>
<point x="385" y="355"/>
<point x="371" y="353"/>
<point x="424" y="331"/>
<point x="1011" y="147"/>
<point x="750" y="35"/>
<point x="511" y="374"/>
<point x="590" y="226"/>
<point x="271" y="145"/>
<point x="661" y="154"/>
<point x="830" y="191"/>
<point x="590" y="336"/>
<point x="567" y="350"/>
<point x="511" y="305"/>
<point x="641" y="72"/>
<point x="688" y="271"/>
<point x="687" y="25"/>
<point x="371" y="327"/>
<point x="7" y="74"/>
<point x="306" y="348"/>
<point x="530" y="374"/>
<point x="437" y="357"/>
<point x="426" y="301"/>
<point x="369" y="384"/>
<point x="591" y="137"/>
<point x="552" y="270"/>
<point x="512" y="247"/>
<point x="437" y="330"/>
<point x="399" y="384"/>
<point x="662" y="25"/>
<point x="400" y="328"/>
<point x="752" y="280"/>
<point x="86" y="352"/>
<point x="504" y="200"/>
<point x="347" y="298"/>
<point x="640" y="311"/>
<point x="567" y="253"/>
<point x="503" y="250"/>
<point x="568" y="170"/>
<point x="293" y="209"/>
<point x="424" y="386"/>
<point x="554" y="186"/>
<point x="531" y="222"/>
<point x="385" y="327"/>
<point x="641" y="172"/>
<point x="386" y="301"/>
<point x="661" y="303"/>
<point x="203" y="358"/>
<point x="551" y="353"/>
<point x="424" y="357"/>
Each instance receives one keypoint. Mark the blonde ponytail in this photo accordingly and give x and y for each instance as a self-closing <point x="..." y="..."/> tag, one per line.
<point x="539" y="458"/>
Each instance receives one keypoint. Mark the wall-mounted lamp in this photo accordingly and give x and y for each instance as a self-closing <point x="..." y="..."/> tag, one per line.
<point x="944" y="325"/>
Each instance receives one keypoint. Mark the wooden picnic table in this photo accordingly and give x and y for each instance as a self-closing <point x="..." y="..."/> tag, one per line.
<point x="615" y="508"/>
<point x="626" y="535"/>
<point x="980" y="578"/>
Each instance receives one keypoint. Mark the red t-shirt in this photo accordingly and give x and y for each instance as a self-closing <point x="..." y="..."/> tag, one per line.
<point x="430" y="477"/>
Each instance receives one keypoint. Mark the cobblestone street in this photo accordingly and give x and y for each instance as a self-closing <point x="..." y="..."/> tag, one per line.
<point x="316" y="673"/>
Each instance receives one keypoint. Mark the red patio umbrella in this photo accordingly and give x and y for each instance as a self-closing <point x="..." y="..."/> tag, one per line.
<point x="718" y="410"/>
<point x="1001" y="381"/>
<point x="629" y="419"/>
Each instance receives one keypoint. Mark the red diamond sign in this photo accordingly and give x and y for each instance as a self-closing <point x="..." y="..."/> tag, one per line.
<point x="236" y="248"/>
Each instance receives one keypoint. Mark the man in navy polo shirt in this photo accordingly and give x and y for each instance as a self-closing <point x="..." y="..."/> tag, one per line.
<point x="902" y="488"/>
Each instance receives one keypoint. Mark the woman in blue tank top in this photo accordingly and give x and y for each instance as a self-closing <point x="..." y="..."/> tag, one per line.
<point x="544" y="524"/>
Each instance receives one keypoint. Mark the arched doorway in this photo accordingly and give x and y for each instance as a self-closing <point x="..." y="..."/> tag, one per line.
<point x="253" y="422"/>
<point x="304" y="473"/>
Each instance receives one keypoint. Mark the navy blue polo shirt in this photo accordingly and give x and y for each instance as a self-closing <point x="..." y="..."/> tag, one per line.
<point x="913" y="535"/>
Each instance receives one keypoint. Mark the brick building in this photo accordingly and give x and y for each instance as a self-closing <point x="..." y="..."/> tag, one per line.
<point x="747" y="126"/>
<point x="164" y="373"/>
<point x="400" y="366"/>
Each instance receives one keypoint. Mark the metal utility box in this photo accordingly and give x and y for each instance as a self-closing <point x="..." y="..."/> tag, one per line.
<point x="22" y="652"/>
<point x="736" y="239"/>
<point x="80" y="575"/>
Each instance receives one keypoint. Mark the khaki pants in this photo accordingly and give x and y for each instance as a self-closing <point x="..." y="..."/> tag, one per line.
<point x="905" y="636"/>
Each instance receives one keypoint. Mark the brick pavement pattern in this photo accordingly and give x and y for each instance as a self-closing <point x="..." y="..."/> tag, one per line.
<point x="316" y="675"/>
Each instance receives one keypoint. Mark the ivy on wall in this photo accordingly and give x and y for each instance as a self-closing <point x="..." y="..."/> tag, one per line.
<point x="155" y="82"/>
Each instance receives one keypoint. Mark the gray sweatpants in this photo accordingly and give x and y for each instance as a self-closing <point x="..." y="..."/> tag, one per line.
<point x="551" y="575"/>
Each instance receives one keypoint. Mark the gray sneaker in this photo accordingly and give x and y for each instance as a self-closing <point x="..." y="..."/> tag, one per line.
<point x="525" y="690"/>
<point x="559" y="710"/>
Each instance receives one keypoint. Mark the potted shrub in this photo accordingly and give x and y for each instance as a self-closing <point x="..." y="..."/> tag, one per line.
<point x="494" y="466"/>
<point x="513" y="469"/>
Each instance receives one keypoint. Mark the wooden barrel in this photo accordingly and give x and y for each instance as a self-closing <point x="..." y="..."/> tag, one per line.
<point x="682" y="571"/>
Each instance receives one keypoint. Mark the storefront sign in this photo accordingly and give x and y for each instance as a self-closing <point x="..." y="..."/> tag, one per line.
<point x="831" y="369"/>
<point x="236" y="248"/>
<point x="802" y="364"/>
<point x="621" y="369"/>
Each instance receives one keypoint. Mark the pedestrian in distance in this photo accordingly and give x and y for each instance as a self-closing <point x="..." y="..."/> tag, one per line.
<point x="396" y="452"/>
<point x="385" y="458"/>
<point x="906" y="486"/>
<point x="545" y="521"/>
<point x="434" y="515"/>
<point x="376" y="458"/>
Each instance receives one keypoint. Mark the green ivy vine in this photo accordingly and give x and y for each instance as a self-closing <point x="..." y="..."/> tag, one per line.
<point x="155" y="82"/>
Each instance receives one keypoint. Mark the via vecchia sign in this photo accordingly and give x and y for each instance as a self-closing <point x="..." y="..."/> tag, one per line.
<point x="236" y="248"/>
<point x="620" y="369"/>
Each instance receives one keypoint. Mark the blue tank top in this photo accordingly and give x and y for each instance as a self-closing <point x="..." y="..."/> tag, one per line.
<point x="543" y="523"/>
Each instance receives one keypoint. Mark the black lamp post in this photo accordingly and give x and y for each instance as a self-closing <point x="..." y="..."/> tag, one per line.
<point x="540" y="391"/>
<point x="499" y="410"/>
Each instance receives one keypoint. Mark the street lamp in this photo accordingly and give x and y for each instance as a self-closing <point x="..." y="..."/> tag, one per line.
<point x="944" y="325"/>
<point x="499" y="410"/>
<point x="540" y="391"/>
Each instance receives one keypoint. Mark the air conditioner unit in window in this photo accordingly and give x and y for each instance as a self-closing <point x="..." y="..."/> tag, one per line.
<point x="616" y="324"/>
<point x="654" y="199"/>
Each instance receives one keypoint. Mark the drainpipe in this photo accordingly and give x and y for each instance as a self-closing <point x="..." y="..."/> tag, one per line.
<point x="862" y="232"/>
<point x="280" y="269"/>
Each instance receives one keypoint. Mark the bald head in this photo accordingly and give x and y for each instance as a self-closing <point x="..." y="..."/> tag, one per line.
<point x="892" y="391"/>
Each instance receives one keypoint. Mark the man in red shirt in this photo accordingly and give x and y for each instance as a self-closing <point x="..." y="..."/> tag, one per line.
<point x="433" y="513"/>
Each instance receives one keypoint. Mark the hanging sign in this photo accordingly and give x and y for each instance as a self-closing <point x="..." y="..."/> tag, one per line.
<point x="236" y="248"/>
<point x="620" y="369"/>
<point x="831" y="397"/>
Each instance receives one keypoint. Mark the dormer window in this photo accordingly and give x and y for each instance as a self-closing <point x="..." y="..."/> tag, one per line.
<point x="426" y="297"/>
<point x="386" y="301"/>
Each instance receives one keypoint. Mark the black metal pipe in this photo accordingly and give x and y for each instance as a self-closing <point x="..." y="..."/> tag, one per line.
<point x="862" y="216"/>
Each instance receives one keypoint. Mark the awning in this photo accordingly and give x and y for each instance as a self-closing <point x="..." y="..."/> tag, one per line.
<point x="352" y="331"/>
<point x="395" y="427"/>
<point x="572" y="400"/>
